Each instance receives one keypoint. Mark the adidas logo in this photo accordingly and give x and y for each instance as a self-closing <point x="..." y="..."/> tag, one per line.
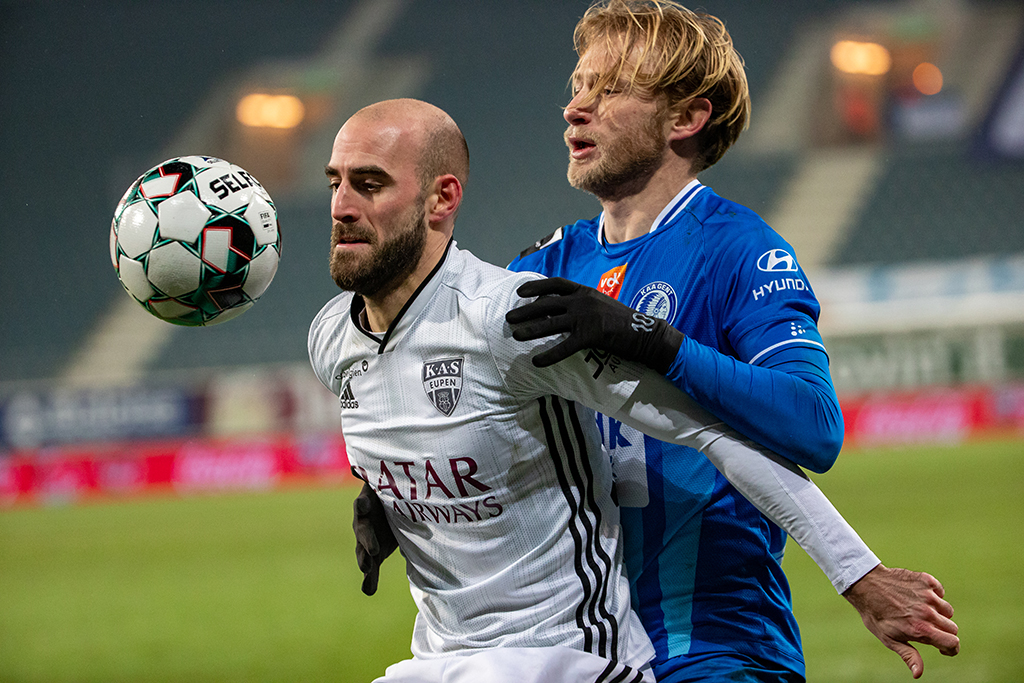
<point x="348" y="401"/>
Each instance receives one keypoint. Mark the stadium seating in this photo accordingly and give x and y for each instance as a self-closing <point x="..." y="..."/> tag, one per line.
<point x="490" y="71"/>
<point x="938" y="204"/>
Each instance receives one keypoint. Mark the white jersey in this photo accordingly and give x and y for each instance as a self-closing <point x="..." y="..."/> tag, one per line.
<point x="492" y="474"/>
<point x="499" y="496"/>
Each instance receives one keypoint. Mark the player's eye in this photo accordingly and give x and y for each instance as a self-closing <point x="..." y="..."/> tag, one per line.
<point x="613" y="89"/>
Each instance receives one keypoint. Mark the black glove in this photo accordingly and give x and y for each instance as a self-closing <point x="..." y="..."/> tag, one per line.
<point x="593" y="321"/>
<point x="374" y="538"/>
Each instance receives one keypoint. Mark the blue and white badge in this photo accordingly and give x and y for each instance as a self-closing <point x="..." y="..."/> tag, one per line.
<point x="657" y="300"/>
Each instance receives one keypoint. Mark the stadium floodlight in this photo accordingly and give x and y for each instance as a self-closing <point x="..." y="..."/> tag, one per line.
<point x="261" y="110"/>
<point x="855" y="57"/>
<point x="927" y="78"/>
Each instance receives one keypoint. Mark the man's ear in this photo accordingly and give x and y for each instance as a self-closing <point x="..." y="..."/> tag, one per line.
<point x="445" y="199"/>
<point x="689" y="118"/>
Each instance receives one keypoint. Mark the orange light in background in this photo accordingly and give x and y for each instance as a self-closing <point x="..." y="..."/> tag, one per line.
<point x="927" y="78"/>
<point x="260" y="110"/>
<point x="853" y="57"/>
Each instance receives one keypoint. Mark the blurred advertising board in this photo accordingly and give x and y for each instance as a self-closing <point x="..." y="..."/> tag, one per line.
<point x="224" y="403"/>
<point x="33" y="419"/>
<point x="181" y="466"/>
<point x="935" y="415"/>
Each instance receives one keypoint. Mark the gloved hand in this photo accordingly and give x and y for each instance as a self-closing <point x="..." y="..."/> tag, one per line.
<point x="593" y="321"/>
<point x="374" y="538"/>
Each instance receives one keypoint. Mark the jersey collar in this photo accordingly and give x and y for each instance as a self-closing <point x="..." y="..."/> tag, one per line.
<point x="667" y="215"/>
<point x="409" y="311"/>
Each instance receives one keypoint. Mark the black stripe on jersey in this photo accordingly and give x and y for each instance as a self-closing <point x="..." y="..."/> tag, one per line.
<point x="567" y="448"/>
<point x="556" y="458"/>
<point x="588" y="473"/>
<point x="584" y="481"/>
<point x="621" y="676"/>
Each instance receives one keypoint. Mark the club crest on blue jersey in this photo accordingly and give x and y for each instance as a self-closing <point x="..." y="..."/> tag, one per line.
<point x="657" y="300"/>
<point x="442" y="380"/>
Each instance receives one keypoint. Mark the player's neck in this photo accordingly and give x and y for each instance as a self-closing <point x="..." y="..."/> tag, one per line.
<point x="631" y="216"/>
<point x="382" y="308"/>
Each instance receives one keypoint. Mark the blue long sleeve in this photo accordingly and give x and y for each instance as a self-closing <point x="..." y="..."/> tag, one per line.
<point x="786" y="402"/>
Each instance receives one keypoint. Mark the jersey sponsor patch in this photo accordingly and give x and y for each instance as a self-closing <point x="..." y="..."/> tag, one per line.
<point x="442" y="380"/>
<point x="657" y="300"/>
<point x="611" y="282"/>
<point x="349" y="373"/>
<point x="602" y="360"/>
<point x="777" y="261"/>
<point x="347" y="399"/>
<point x="778" y="285"/>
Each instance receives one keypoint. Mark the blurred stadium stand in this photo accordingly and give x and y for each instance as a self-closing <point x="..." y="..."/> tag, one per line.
<point x="862" y="206"/>
<point x="938" y="204"/>
<point x="500" y="71"/>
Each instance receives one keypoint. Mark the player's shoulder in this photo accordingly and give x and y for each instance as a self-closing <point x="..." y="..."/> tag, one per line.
<point x="329" y="321"/>
<point x="736" y="231"/>
<point x="543" y="242"/>
<point x="473" y="279"/>
<point x="337" y="306"/>
<point x="562" y="238"/>
<point x="729" y="220"/>
<point x="326" y="334"/>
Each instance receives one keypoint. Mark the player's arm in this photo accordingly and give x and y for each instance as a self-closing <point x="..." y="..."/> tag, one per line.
<point x="647" y="401"/>
<point x="374" y="538"/>
<point x="776" y="486"/>
<point x="786" y="402"/>
<point x="898" y="606"/>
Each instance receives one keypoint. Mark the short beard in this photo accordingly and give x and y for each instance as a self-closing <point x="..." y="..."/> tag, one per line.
<point x="389" y="264"/>
<point x="625" y="168"/>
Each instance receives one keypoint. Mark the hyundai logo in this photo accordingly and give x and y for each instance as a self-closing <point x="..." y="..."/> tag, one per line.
<point x="777" y="261"/>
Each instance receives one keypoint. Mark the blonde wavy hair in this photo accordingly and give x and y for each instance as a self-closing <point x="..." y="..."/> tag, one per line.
<point x="677" y="53"/>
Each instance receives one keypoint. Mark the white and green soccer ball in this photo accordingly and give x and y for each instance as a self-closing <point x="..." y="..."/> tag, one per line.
<point x="195" y="240"/>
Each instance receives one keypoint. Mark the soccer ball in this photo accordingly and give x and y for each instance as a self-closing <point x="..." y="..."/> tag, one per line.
<point x="195" y="240"/>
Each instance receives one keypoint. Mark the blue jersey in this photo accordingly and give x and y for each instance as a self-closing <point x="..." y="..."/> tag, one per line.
<point x="704" y="564"/>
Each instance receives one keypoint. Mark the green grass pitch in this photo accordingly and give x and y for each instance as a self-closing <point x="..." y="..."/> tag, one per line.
<point x="263" y="586"/>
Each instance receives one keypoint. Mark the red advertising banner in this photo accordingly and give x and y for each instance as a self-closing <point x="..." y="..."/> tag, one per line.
<point x="937" y="415"/>
<point x="187" y="466"/>
<point x="179" y="466"/>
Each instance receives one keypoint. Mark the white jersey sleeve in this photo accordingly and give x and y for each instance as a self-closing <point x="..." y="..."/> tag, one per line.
<point x="646" y="401"/>
<point x="777" y="487"/>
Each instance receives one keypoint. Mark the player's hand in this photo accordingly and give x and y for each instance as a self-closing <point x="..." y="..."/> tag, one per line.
<point x="593" y="321"/>
<point x="374" y="538"/>
<point x="900" y="606"/>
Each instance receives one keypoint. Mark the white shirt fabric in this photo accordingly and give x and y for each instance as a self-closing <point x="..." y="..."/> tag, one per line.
<point x="492" y="474"/>
<point x="516" y="665"/>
